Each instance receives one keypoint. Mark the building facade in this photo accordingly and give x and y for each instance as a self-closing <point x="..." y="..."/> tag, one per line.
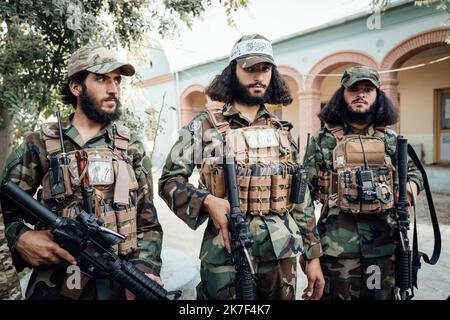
<point x="406" y="44"/>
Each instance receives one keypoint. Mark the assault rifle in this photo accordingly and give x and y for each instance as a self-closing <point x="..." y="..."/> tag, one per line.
<point x="241" y="238"/>
<point x="90" y="243"/>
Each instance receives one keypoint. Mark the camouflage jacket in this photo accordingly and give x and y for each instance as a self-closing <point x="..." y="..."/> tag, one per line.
<point x="346" y="235"/>
<point x="9" y="280"/>
<point x="27" y="165"/>
<point x="275" y="237"/>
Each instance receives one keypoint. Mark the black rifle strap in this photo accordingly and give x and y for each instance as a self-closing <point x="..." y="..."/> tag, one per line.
<point x="437" y="233"/>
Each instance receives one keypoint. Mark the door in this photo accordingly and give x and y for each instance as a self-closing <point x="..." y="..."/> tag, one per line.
<point x="442" y="126"/>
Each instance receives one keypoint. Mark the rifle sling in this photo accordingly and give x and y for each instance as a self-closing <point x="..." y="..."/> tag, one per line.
<point x="417" y="255"/>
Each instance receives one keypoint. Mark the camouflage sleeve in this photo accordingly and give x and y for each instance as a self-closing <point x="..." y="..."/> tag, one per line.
<point x="185" y="200"/>
<point x="305" y="218"/>
<point x="23" y="167"/>
<point x="149" y="231"/>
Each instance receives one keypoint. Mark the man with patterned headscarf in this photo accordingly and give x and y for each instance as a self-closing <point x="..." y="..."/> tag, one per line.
<point x="266" y="156"/>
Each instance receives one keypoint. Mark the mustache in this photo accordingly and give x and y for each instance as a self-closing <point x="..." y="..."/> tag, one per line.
<point x="359" y="100"/>
<point x="257" y="84"/>
<point x="113" y="98"/>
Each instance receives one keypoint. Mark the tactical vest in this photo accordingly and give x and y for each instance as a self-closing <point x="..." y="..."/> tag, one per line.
<point x="112" y="178"/>
<point x="264" y="158"/>
<point x="362" y="177"/>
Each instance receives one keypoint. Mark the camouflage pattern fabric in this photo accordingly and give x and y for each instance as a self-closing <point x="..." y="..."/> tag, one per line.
<point x="26" y="166"/>
<point x="359" y="73"/>
<point x="358" y="279"/>
<point x="275" y="237"/>
<point x="98" y="60"/>
<point x="9" y="280"/>
<point x="276" y="280"/>
<point x="352" y="236"/>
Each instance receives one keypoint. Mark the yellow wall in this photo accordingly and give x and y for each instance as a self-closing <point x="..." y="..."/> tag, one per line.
<point x="416" y="89"/>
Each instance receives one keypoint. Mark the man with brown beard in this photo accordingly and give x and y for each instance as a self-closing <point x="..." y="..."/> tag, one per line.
<point x="266" y="157"/>
<point x="351" y="172"/>
<point x="119" y="172"/>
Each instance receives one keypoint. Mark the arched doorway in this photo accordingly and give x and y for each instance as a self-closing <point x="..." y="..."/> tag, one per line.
<point x="193" y="102"/>
<point x="422" y="92"/>
<point x="312" y="97"/>
<point x="291" y="112"/>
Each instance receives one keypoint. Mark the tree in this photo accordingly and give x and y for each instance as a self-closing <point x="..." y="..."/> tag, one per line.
<point x="38" y="36"/>
<point x="442" y="5"/>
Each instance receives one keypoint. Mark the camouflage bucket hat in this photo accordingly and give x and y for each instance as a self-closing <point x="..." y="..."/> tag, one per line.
<point x="252" y="49"/>
<point x="98" y="60"/>
<point x="359" y="73"/>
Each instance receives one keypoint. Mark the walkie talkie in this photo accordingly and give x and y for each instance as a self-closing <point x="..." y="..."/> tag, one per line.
<point x="298" y="187"/>
<point x="366" y="185"/>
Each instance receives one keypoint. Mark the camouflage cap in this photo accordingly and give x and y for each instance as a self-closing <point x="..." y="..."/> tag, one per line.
<point x="97" y="59"/>
<point x="252" y="49"/>
<point x="354" y="74"/>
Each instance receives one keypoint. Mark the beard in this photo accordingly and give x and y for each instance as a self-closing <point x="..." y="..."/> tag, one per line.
<point x="94" y="112"/>
<point x="242" y="94"/>
<point x="350" y="116"/>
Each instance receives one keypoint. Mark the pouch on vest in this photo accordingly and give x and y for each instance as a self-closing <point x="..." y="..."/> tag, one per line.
<point x="259" y="190"/>
<point x="126" y="225"/>
<point x="364" y="178"/>
<point x="280" y="190"/>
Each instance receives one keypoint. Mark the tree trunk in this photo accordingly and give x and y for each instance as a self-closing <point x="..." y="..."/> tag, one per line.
<point x="6" y="137"/>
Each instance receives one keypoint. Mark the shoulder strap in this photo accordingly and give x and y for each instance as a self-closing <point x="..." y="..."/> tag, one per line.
<point x="50" y="137"/>
<point x="380" y="132"/>
<point x="336" y="131"/>
<point x="217" y="119"/>
<point x="122" y="137"/>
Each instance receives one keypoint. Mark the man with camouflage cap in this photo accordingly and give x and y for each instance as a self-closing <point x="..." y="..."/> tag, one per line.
<point x="243" y="126"/>
<point x="351" y="172"/>
<point x="119" y="171"/>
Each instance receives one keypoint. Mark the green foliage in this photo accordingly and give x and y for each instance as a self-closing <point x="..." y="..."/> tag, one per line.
<point x="442" y="5"/>
<point x="38" y="36"/>
<point x="132" y="122"/>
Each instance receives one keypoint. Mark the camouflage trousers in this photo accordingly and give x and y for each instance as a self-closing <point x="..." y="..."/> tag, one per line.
<point x="51" y="283"/>
<point x="9" y="280"/>
<point x="276" y="280"/>
<point x="358" y="278"/>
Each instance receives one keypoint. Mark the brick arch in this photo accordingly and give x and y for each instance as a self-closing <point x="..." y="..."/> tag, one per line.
<point x="186" y="108"/>
<point x="292" y="73"/>
<point x="412" y="46"/>
<point x="310" y="93"/>
<point x="334" y="61"/>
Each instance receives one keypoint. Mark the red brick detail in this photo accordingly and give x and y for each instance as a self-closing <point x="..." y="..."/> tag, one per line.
<point x="413" y="45"/>
<point x="334" y="61"/>
<point x="186" y="108"/>
<point x="292" y="73"/>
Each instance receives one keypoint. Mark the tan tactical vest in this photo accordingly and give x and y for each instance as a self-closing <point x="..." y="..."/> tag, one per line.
<point x="112" y="178"/>
<point x="349" y="185"/>
<point x="264" y="157"/>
